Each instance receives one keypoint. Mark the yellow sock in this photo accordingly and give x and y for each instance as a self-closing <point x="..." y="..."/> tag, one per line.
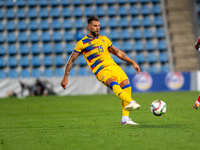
<point x="122" y="94"/>
<point x="126" y="88"/>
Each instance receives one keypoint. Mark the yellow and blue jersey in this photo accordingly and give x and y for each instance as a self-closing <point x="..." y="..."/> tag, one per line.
<point x="95" y="52"/>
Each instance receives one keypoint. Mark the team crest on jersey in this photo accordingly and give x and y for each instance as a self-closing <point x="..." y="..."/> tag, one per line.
<point x="103" y="77"/>
<point x="103" y="40"/>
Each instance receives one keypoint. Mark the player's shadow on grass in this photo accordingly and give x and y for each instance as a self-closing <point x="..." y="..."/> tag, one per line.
<point x="161" y="126"/>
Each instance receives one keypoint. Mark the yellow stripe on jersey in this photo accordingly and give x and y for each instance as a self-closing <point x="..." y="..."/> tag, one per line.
<point x="95" y="52"/>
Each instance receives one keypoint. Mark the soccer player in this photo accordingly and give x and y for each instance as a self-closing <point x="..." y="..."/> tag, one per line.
<point x="197" y="47"/>
<point x="95" y="49"/>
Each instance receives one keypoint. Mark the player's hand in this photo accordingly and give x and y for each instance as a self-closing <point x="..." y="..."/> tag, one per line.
<point x="64" y="82"/>
<point x="136" y="67"/>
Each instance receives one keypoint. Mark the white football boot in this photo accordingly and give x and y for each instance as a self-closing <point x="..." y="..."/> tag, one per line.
<point x="129" y="122"/>
<point x="132" y="106"/>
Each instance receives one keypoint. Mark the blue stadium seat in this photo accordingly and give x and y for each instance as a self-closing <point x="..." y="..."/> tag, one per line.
<point x="158" y="21"/>
<point x="117" y="44"/>
<point x="150" y="46"/>
<point x="54" y="12"/>
<point x="1" y="26"/>
<point x="100" y="11"/>
<point x="21" y="25"/>
<point x="58" y="60"/>
<point x="59" y="72"/>
<point x="87" y="2"/>
<point x="36" y="73"/>
<point x="164" y="68"/>
<point x="2" y="62"/>
<point x="67" y="24"/>
<point x="57" y="48"/>
<point x="56" y="36"/>
<point x="22" y="37"/>
<point x="54" y="2"/>
<point x="145" y="10"/>
<point x="114" y="34"/>
<point x="55" y="24"/>
<point x="79" y="24"/>
<point x="12" y="62"/>
<point x="81" y="60"/>
<point x="2" y="39"/>
<point x="12" y="73"/>
<point x="99" y="2"/>
<point x="11" y="49"/>
<point x="24" y="61"/>
<point x="66" y="12"/>
<point x="46" y="49"/>
<point x="137" y="34"/>
<point x="152" y="58"/>
<point x="103" y="23"/>
<point x="10" y="25"/>
<point x="110" y="2"/>
<point x="33" y="25"/>
<point x="160" y="33"/>
<point x="24" y="73"/>
<point x="65" y="2"/>
<point x="68" y="36"/>
<point x="113" y="23"/>
<point x="123" y="11"/>
<point x="69" y="48"/>
<point x="129" y="69"/>
<point x="134" y="10"/>
<point x="135" y="22"/>
<point x="124" y="22"/>
<point x="138" y="46"/>
<point x="73" y="72"/>
<point x="11" y="38"/>
<point x="33" y="37"/>
<point x="146" y="22"/>
<point x="153" y="69"/>
<point x="23" y="49"/>
<point x="2" y="74"/>
<point x="121" y="2"/>
<point x="140" y="58"/>
<point x="2" y="50"/>
<point x="35" y="49"/>
<point x="144" y="1"/>
<point x="20" y="3"/>
<point x="148" y="33"/>
<point x="162" y="45"/>
<point x="21" y="13"/>
<point x="88" y="11"/>
<point x="77" y="12"/>
<point x="117" y="60"/>
<point x="127" y="46"/>
<point x="9" y="13"/>
<point x="83" y="71"/>
<point x="76" y="2"/>
<point x="45" y="36"/>
<point x="43" y="13"/>
<point x="111" y="11"/>
<point x="44" y="24"/>
<point x="35" y="61"/>
<point x="155" y="1"/>
<point x="43" y="3"/>
<point x="103" y="32"/>
<point x="163" y="57"/>
<point x="156" y="9"/>
<point x="31" y="3"/>
<point x="126" y="34"/>
<point x="32" y="13"/>
<point x="48" y="72"/>
<point x="79" y="35"/>
<point x="1" y="14"/>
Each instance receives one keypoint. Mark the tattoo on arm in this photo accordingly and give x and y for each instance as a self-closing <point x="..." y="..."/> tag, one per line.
<point x="70" y="64"/>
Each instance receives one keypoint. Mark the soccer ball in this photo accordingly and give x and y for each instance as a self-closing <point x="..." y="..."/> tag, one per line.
<point x="158" y="107"/>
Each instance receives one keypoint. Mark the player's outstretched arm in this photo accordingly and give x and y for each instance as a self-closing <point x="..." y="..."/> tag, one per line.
<point x="120" y="54"/>
<point x="68" y="67"/>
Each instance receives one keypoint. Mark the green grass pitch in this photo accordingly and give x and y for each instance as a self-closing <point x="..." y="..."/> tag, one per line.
<point x="92" y="122"/>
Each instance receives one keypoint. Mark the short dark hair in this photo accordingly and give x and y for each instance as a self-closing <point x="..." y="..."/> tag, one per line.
<point x="92" y="18"/>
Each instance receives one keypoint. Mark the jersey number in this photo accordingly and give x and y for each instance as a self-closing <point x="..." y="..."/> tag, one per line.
<point x="100" y="48"/>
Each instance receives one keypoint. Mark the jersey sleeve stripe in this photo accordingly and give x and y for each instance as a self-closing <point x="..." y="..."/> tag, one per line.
<point x="77" y="51"/>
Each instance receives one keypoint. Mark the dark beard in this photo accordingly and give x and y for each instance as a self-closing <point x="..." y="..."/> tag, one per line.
<point x="94" y="34"/>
